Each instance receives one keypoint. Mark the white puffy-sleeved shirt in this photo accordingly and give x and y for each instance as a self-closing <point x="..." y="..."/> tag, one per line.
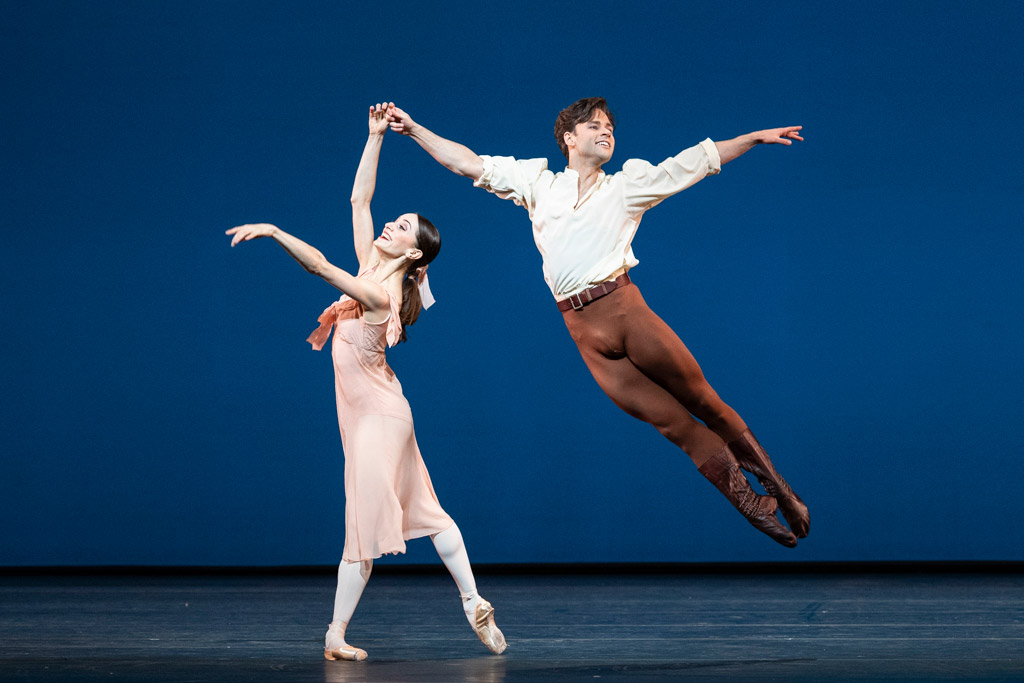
<point x="583" y="243"/>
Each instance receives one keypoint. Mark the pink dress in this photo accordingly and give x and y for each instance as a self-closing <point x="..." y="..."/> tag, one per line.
<point x="388" y="495"/>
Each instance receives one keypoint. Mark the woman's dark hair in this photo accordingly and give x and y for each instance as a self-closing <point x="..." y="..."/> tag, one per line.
<point x="578" y="112"/>
<point x="428" y="241"/>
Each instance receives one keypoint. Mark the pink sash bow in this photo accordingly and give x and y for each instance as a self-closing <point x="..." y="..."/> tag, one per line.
<point x="327" y="321"/>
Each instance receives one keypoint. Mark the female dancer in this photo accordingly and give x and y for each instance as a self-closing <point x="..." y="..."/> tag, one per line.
<point x="388" y="495"/>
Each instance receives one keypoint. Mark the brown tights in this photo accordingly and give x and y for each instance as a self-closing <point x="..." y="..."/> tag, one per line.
<point x="647" y="371"/>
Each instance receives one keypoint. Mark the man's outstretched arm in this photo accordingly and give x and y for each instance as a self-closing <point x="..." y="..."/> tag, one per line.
<point x="453" y="156"/>
<point x="730" y="149"/>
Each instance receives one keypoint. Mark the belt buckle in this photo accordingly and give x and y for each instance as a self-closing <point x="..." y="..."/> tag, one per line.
<point x="578" y="298"/>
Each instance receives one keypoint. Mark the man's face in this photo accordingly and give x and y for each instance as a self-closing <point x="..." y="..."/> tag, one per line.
<point x="593" y="139"/>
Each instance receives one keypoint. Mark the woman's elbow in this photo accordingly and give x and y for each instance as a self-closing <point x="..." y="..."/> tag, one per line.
<point x="317" y="265"/>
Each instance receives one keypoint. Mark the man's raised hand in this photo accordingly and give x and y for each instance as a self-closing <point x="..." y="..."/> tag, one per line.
<point x="399" y="121"/>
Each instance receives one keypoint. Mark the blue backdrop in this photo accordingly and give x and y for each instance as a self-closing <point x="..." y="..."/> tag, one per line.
<point x="856" y="297"/>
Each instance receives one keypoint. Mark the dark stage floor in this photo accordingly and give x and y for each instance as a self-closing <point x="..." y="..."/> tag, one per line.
<point x="566" y="627"/>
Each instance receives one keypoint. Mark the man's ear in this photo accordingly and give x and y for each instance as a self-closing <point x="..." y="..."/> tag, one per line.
<point x="569" y="139"/>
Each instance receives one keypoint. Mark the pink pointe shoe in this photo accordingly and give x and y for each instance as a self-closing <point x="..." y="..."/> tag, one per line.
<point x="336" y="648"/>
<point x="353" y="654"/>
<point x="487" y="630"/>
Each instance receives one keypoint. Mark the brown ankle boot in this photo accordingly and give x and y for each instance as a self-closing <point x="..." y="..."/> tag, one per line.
<point x="723" y="471"/>
<point x="753" y="459"/>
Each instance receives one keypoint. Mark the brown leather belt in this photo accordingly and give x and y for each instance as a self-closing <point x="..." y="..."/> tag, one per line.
<point x="578" y="301"/>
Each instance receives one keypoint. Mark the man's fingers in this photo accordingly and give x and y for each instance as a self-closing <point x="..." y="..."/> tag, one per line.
<point x="241" y="235"/>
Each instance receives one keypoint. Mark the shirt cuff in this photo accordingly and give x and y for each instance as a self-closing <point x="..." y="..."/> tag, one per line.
<point x="485" y="178"/>
<point x="714" y="160"/>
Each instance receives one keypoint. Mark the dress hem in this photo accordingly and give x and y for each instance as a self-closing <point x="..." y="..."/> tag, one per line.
<point x="408" y="536"/>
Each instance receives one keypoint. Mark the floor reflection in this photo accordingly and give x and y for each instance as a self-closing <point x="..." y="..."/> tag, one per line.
<point x="482" y="669"/>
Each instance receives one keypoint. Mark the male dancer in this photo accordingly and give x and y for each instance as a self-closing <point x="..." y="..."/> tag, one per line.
<point x="583" y="225"/>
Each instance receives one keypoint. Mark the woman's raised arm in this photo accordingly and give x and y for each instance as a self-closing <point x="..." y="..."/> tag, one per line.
<point x="365" y="183"/>
<point x="372" y="296"/>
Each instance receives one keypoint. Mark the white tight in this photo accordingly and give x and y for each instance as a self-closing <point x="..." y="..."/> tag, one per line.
<point x="352" y="578"/>
<point x="452" y="550"/>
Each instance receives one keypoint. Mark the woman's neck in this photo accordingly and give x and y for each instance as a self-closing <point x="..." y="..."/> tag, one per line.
<point x="386" y="269"/>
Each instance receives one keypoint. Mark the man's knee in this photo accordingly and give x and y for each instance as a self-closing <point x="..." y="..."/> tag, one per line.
<point x="676" y="431"/>
<point x="699" y="398"/>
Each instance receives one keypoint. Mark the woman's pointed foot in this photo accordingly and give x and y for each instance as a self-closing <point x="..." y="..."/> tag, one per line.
<point x="486" y="629"/>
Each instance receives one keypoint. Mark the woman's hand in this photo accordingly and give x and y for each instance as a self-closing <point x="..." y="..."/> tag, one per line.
<point x="251" y="231"/>
<point x="379" y="118"/>
<point x="400" y="121"/>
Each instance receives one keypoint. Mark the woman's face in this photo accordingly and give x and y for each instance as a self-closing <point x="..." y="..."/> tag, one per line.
<point x="399" y="236"/>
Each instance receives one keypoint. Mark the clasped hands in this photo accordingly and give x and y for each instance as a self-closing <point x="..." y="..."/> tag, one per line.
<point x="384" y="115"/>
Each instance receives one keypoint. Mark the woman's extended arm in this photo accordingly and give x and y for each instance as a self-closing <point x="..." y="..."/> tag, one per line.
<point x="372" y="296"/>
<point x="365" y="183"/>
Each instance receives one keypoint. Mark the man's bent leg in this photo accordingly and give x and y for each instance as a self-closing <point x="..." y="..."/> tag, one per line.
<point x="597" y="337"/>
<point x="659" y="352"/>
<point x="599" y="330"/>
<point x="661" y="355"/>
<point x="635" y="393"/>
